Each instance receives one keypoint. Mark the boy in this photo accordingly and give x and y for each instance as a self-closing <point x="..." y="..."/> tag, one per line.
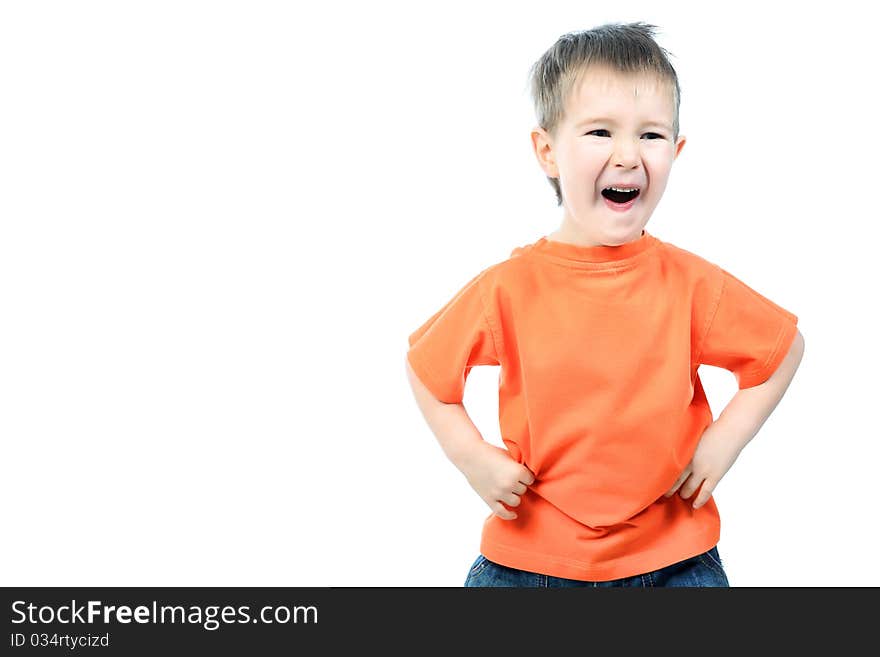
<point x="599" y="328"/>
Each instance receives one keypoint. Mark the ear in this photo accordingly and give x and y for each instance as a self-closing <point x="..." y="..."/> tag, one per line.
<point x="543" y="147"/>
<point x="679" y="145"/>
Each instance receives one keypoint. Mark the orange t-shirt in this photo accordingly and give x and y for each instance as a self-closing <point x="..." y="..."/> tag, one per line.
<point x="599" y="395"/>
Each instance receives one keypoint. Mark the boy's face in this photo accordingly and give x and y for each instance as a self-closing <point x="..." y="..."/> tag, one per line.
<point x="617" y="130"/>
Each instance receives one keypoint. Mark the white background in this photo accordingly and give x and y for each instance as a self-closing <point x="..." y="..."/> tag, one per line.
<point x="220" y="221"/>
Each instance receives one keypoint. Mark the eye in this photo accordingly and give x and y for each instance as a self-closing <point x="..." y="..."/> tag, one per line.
<point x="656" y="135"/>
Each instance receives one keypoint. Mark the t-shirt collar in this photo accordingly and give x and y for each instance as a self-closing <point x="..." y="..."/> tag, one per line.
<point x="595" y="254"/>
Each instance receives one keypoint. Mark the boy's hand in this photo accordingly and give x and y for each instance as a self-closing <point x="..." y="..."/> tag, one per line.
<point x="496" y="477"/>
<point x="715" y="453"/>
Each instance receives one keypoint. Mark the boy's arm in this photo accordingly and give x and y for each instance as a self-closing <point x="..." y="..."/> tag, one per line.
<point x="749" y="408"/>
<point x="491" y="471"/>
<point x="724" y="439"/>
<point x="450" y="423"/>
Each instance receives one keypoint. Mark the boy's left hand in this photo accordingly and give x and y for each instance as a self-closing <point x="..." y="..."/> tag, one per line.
<point x="715" y="453"/>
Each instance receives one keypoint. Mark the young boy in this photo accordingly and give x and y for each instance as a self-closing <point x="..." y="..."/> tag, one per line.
<point x="599" y="328"/>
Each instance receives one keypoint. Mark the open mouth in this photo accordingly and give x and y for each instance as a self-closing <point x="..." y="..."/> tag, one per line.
<point x="622" y="197"/>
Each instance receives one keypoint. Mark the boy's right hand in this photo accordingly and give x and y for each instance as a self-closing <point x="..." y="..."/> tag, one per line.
<point x="496" y="477"/>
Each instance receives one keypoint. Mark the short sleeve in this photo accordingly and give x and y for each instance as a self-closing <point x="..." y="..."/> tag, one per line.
<point x="452" y="341"/>
<point x="747" y="333"/>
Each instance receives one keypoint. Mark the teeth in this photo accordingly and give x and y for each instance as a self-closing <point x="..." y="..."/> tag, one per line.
<point x="622" y="189"/>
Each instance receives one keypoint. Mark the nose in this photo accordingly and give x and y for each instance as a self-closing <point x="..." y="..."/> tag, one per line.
<point x="626" y="153"/>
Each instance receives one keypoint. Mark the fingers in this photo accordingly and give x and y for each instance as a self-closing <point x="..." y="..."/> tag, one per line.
<point x="507" y="500"/>
<point x="681" y="479"/>
<point x="688" y="483"/>
<point x="510" y="499"/>
<point x="705" y="493"/>
<point x="690" y="486"/>
<point x="499" y="510"/>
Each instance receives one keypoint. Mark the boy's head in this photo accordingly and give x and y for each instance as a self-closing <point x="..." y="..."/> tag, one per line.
<point x="606" y="101"/>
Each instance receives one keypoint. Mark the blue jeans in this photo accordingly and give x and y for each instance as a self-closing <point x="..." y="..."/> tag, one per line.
<point x="702" y="570"/>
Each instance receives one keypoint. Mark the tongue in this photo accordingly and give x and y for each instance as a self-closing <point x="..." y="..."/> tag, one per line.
<point x="619" y="197"/>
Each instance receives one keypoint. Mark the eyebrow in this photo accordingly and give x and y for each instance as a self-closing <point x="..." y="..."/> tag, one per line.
<point x="603" y="119"/>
